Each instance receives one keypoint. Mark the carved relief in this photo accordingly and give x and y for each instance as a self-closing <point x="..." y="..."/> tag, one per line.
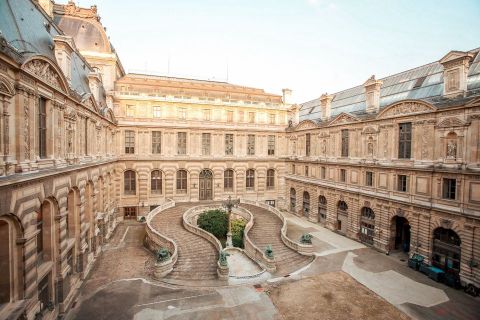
<point x="452" y="149"/>
<point x="344" y="118"/>
<point x="451" y="122"/>
<point x="403" y="108"/>
<point x="425" y="138"/>
<point x="26" y="128"/>
<point x="44" y="71"/>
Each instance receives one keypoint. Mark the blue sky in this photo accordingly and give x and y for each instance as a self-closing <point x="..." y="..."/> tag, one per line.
<point x="309" y="46"/>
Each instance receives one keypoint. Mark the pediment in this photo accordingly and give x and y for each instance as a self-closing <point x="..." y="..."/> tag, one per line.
<point x="109" y="115"/>
<point x="90" y="102"/>
<point x="370" y="130"/>
<point x="44" y="70"/>
<point x="344" y="118"/>
<point x="306" y="124"/>
<point x="454" y="55"/>
<point x="451" y="122"/>
<point x="405" y="108"/>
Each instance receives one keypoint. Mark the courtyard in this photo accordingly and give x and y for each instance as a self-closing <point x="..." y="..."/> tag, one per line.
<point x="345" y="281"/>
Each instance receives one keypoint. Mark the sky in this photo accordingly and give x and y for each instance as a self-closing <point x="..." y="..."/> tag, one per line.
<point x="309" y="46"/>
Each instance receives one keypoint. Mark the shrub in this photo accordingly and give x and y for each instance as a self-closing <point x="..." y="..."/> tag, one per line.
<point x="215" y="222"/>
<point x="238" y="227"/>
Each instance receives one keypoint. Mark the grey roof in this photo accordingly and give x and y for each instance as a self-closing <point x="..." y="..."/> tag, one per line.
<point x="424" y="83"/>
<point x="25" y="28"/>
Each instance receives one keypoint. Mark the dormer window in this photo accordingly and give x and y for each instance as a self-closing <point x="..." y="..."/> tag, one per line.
<point x="452" y="80"/>
<point x="455" y="69"/>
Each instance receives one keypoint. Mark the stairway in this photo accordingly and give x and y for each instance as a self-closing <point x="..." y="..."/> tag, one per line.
<point x="266" y="231"/>
<point x="197" y="258"/>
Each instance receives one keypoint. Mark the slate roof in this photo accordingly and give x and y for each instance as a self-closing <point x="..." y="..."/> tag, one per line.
<point x="423" y="83"/>
<point x="30" y="31"/>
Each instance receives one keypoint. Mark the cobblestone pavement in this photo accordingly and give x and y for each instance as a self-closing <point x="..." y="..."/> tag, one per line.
<point x="118" y="286"/>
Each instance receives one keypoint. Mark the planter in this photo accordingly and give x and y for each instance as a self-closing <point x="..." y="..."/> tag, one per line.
<point x="161" y="269"/>
<point x="222" y="271"/>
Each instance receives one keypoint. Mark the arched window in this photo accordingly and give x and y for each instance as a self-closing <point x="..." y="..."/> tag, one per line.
<point x="250" y="179"/>
<point x="40" y="234"/>
<point x="182" y="181"/>
<point x="446" y="250"/>
<point x="306" y="203"/>
<point x="270" y="178"/>
<point x="228" y="180"/>
<point x="342" y="206"/>
<point x="129" y="180"/>
<point x="342" y="216"/>
<point x="293" y="199"/>
<point x="156" y="182"/>
<point x="322" y="209"/>
<point x="5" y="262"/>
<point x="367" y="225"/>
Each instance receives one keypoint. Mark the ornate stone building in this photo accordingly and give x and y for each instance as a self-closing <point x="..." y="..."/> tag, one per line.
<point x="393" y="163"/>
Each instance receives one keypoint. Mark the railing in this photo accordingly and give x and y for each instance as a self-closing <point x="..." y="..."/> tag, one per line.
<point x="154" y="240"/>
<point x="305" y="249"/>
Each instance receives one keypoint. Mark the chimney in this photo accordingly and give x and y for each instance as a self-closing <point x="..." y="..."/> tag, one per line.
<point x="287" y="96"/>
<point x="47" y="6"/>
<point x="455" y="69"/>
<point x="326" y="105"/>
<point x="372" y="94"/>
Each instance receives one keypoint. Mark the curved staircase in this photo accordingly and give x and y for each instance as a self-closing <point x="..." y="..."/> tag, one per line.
<point x="197" y="258"/>
<point x="266" y="231"/>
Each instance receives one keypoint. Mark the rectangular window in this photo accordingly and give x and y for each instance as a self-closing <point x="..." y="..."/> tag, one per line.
<point x="130" y="212"/>
<point x="345" y="142"/>
<point x="182" y="113"/>
<point x="44" y="293"/>
<point x="129" y="141"/>
<point x="271" y="145"/>
<point x="307" y="144"/>
<point x="251" y="145"/>
<point x="130" y="111"/>
<point x="343" y="175"/>
<point x="85" y="143"/>
<point x="405" y="140"/>
<point x="205" y="144"/>
<point x="271" y="203"/>
<point x="251" y="117"/>
<point x="293" y="169"/>
<point x="240" y="116"/>
<point x="229" y="116"/>
<point x="402" y="184"/>
<point x="207" y="114"/>
<point x="42" y="127"/>
<point x="156" y="142"/>
<point x="306" y="171"/>
<point x="228" y="180"/>
<point x="157" y="112"/>
<point x="369" y="178"/>
<point x="272" y="118"/>
<point x="229" y="144"/>
<point x="449" y="188"/>
<point x="323" y="172"/>
<point x="181" y="143"/>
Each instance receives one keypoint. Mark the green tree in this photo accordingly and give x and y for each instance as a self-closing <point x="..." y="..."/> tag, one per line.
<point x="215" y="222"/>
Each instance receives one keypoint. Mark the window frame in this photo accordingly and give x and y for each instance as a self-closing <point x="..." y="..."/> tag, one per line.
<point x="402" y="183"/>
<point x="181" y="181"/>
<point x="181" y="143"/>
<point x="129" y="136"/>
<point x="129" y="183"/>
<point x="229" y="144"/>
<point x="206" y="143"/>
<point x="308" y="144"/>
<point x="449" y="188"/>
<point x="271" y="145"/>
<point x="228" y="180"/>
<point x="42" y="127"/>
<point x="369" y="178"/>
<point x="405" y="140"/>
<point x="251" y="144"/>
<point x="250" y="179"/>
<point x="270" y="179"/>
<point x="156" y="181"/>
<point x="345" y="142"/>
<point x="156" y="137"/>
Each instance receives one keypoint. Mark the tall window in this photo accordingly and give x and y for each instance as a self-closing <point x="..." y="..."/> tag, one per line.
<point x="157" y="111"/>
<point x="345" y="143"/>
<point x="272" y="118"/>
<point x="130" y="111"/>
<point x="240" y="116"/>
<point x="182" y="181"/>
<point x="205" y="144"/>
<point x="402" y="183"/>
<point x="229" y="116"/>
<point x="85" y="143"/>
<point x="343" y="175"/>
<point x="405" y="140"/>
<point x="40" y="235"/>
<point x="449" y="188"/>
<point x="306" y="171"/>
<point x="156" y="182"/>
<point x="251" y="117"/>
<point x="369" y="178"/>
<point x="228" y="180"/>
<point x="271" y="145"/>
<point x="181" y="143"/>
<point x="294" y="171"/>
<point x="42" y="128"/>
<point x="270" y="179"/>
<point x="156" y="142"/>
<point x="129" y="141"/>
<point x="129" y="182"/>
<point x="250" y="179"/>
<point x="323" y="172"/>
<point x="207" y="114"/>
<point x="251" y="144"/>
<point x="229" y="144"/>
<point x="307" y="144"/>
<point x="182" y="113"/>
<point x="293" y="199"/>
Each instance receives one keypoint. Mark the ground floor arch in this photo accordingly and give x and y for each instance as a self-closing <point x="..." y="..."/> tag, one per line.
<point x="367" y="225"/>
<point x="400" y="231"/>
<point x="306" y="204"/>
<point x="205" y="185"/>
<point x="446" y="251"/>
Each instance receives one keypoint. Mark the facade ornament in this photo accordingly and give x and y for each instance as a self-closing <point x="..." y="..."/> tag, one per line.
<point x="407" y="107"/>
<point x="26" y="127"/>
<point x="370" y="149"/>
<point x="451" y="149"/>
<point x="451" y="122"/>
<point x="44" y="71"/>
<point x="425" y="137"/>
<point x="446" y="224"/>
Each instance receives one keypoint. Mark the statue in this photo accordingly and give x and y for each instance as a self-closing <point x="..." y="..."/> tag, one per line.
<point x="451" y="149"/>
<point x="269" y="251"/>
<point x="370" y="149"/>
<point x="306" y="238"/>
<point x="223" y="258"/>
<point x="162" y="255"/>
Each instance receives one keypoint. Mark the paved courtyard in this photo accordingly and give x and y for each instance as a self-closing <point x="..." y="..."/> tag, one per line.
<point x="346" y="278"/>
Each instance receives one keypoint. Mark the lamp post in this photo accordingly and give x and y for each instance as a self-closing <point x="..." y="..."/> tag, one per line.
<point x="229" y="204"/>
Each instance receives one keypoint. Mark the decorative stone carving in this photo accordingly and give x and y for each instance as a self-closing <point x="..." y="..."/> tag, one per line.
<point x="407" y="107"/>
<point x="26" y="127"/>
<point x="451" y="149"/>
<point x="344" y="118"/>
<point x="324" y="147"/>
<point x="451" y="122"/>
<point x="44" y="71"/>
<point x="446" y="224"/>
<point x="72" y="10"/>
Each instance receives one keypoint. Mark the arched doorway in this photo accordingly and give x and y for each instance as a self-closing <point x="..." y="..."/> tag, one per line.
<point x="401" y="232"/>
<point x="322" y="209"/>
<point x="367" y="225"/>
<point x="342" y="217"/>
<point x="293" y="199"/>
<point x="5" y="262"/>
<point x="205" y="184"/>
<point x="306" y="204"/>
<point x="446" y="251"/>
